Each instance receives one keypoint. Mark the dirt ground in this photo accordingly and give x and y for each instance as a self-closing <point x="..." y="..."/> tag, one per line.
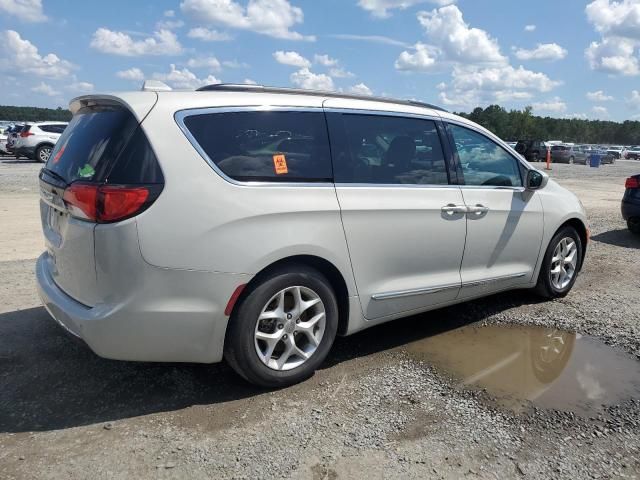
<point x="375" y="409"/>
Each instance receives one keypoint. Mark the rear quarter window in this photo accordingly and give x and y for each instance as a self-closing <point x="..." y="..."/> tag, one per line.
<point x="280" y="146"/>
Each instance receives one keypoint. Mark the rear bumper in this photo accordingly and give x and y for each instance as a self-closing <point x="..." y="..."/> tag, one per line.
<point x="630" y="208"/>
<point x="177" y="317"/>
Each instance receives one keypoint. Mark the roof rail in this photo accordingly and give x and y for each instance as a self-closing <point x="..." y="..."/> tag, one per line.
<point x="235" y="87"/>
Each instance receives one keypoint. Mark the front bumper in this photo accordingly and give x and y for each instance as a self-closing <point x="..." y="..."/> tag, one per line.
<point x="177" y="317"/>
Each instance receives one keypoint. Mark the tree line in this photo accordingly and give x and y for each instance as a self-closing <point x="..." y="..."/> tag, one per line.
<point x="34" y="114"/>
<point x="522" y="125"/>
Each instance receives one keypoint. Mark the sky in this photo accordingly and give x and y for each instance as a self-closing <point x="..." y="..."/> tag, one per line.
<point x="565" y="58"/>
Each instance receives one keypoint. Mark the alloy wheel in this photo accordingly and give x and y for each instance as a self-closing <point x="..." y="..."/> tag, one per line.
<point x="44" y="153"/>
<point x="290" y="328"/>
<point x="564" y="263"/>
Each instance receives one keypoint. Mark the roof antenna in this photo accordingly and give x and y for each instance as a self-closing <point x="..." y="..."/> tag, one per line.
<point x="155" y="86"/>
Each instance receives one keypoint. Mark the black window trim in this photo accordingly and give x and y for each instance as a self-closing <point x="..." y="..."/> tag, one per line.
<point x="181" y="115"/>
<point x="520" y="163"/>
<point x="446" y="149"/>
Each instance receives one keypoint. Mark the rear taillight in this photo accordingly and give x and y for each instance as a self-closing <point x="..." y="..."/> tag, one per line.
<point x="26" y="134"/>
<point x="108" y="203"/>
<point x="632" y="182"/>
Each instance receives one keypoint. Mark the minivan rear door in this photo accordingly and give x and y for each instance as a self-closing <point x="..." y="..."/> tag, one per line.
<point x="403" y="220"/>
<point x="85" y="152"/>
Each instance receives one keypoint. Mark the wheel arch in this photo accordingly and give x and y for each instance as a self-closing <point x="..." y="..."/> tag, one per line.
<point x="328" y="269"/>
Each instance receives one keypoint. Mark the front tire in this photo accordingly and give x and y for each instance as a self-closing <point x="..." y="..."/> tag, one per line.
<point x="283" y="327"/>
<point x="560" y="264"/>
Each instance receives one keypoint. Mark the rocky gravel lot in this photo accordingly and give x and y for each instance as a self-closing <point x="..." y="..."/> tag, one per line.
<point x="375" y="410"/>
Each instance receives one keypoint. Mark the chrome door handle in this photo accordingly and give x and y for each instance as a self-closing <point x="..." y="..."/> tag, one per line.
<point x="452" y="209"/>
<point x="478" y="209"/>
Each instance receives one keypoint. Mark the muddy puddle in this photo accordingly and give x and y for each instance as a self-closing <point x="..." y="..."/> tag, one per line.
<point x="549" y="368"/>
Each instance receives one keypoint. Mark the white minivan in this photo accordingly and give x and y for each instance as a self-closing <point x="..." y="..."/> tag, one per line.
<point x="255" y="224"/>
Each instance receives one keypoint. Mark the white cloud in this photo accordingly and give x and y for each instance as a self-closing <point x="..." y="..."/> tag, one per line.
<point x="248" y="81"/>
<point x="614" y="56"/>
<point x="134" y="74"/>
<point x="22" y="56"/>
<point x="598" y="96"/>
<point x="473" y="86"/>
<point x="208" y="35"/>
<point x="274" y="18"/>
<point x="446" y="29"/>
<point x="360" y="89"/>
<point x="543" y="51"/>
<point x="619" y="24"/>
<point x="163" y="42"/>
<point x="555" y="105"/>
<point x="380" y="39"/>
<point x="184" y="79"/>
<point x="340" y="72"/>
<point x="380" y="8"/>
<point x="617" y="18"/>
<point x="45" y="89"/>
<point x="234" y="64"/>
<point x="81" y="87"/>
<point x="304" y="78"/>
<point x="25" y="10"/>
<point x="169" y="13"/>
<point x="634" y="100"/>
<point x="530" y="28"/>
<point x="600" y="111"/>
<point x="325" y="60"/>
<point x="210" y="63"/>
<point x="293" y="59"/>
<point x="169" y="24"/>
<point x="578" y="116"/>
<point x="421" y="59"/>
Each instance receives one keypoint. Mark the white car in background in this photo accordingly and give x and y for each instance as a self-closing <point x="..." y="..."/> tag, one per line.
<point x="3" y="144"/>
<point x="36" y="140"/>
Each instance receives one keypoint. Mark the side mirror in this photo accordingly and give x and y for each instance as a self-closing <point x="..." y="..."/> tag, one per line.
<point x="536" y="180"/>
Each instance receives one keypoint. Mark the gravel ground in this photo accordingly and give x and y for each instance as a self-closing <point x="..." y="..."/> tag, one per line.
<point x="372" y="411"/>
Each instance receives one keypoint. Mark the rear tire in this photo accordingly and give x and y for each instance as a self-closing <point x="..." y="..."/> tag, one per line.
<point x="42" y="153"/>
<point x="634" y="225"/>
<point x="268" y="311"/>
<point x="557" y="261"/>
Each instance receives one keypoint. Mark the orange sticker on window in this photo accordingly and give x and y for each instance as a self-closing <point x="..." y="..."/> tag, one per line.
<point x="280" y="164"/>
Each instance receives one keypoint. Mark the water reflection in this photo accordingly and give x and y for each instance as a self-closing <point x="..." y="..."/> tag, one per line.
<point x="550" y="368"/>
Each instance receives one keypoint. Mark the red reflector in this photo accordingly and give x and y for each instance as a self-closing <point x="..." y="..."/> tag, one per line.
<point x="234" y="298"/>
<point x="115" y="203"/>
<point x="632" y="182"/>
<point x="104" y="203"/>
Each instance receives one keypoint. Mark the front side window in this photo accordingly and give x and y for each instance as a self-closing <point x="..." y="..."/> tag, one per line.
<point x="390" y="150"/>
<point x="265" y="146"/>
<point x="483" y="161"/>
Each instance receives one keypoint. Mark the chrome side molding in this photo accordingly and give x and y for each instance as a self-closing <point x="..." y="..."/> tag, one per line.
<point x="441" y="288"/>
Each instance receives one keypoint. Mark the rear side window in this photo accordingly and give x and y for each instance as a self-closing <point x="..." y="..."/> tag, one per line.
<point x="52" y="128"/>
<point x="377" y="149"/>
<point x="104" y="144"/>
<point x="483" y="161"/>
<point x="265" y="146"/>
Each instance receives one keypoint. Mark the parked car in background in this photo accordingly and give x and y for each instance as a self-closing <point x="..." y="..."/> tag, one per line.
<point x="605" y="157"/>
<point x="14" y="131"/>
<point x="633" y="153"/>
<point x="568" y="154"/>
<point x="616" y="151"/>
<point x="140" y="267"/>
<point x="3" y="144"/>
<point x="532" y="150"/>
<point x="36" y="140"/>
<point x="631" y="203"/>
